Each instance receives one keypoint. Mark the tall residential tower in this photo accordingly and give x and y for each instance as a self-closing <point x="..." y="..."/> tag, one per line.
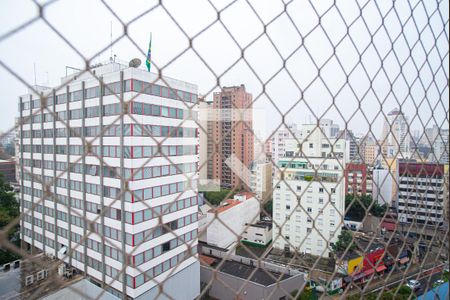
<point x="232" y="134"/>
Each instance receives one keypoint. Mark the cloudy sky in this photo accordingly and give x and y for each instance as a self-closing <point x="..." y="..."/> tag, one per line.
<point x="351" y="62"/>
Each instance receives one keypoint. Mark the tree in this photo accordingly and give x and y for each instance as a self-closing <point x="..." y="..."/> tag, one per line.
<point x="215" y="198"/>
<point x="268" y="207"/>
<point x="9" y="206"/>
<point x="9" y="210"/>
<point x="306" y="294"/>
<point x="358" y="207"/>
<point x="344" y="240"/>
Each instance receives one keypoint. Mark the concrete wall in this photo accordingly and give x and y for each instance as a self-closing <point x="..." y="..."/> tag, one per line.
<point x="184" y="285"/>
<point x="382" y="182"/>
<point x="235" y="219"/>
<point x="87" y="290"/>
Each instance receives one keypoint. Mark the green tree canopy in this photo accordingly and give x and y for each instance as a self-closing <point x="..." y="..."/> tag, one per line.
<point x="9" y="206"/>
<point x="358" y="207"/>
<point x="215" y="198"/>
<point x="9" y="210"/>
<point x="344" y="239"/>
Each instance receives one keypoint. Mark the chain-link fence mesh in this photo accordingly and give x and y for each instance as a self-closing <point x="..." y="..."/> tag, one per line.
<point x="108" y="171"/>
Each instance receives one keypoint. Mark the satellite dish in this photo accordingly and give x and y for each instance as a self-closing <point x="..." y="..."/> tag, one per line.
<point x="134" y="63"/>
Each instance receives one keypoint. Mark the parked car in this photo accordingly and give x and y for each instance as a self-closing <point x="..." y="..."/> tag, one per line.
<point x="413" y="284"/>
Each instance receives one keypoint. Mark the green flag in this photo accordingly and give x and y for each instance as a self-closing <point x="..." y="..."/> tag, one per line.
<point x="148" y="62"/>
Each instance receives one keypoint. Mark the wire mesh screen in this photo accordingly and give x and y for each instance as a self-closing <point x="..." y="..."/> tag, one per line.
<point x="282" y="150"/>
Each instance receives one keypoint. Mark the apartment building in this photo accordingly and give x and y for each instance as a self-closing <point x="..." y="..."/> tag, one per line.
<point x="352" y="144"/>
<point x="358" y="181"/>
<point x="440" y="148"/>
<point x="278" y="140"/>
<point x="421" y="192"/>
<point x="261" y="179"/>
<point x="205" y="134"/>
<point x="131" y="192"/>
<point x="369" y="151"/>
<point x="330" y="128"/>
<point x="309" y="204"/>
<point x="232" y="134"/>
<point x="396" y="139"/>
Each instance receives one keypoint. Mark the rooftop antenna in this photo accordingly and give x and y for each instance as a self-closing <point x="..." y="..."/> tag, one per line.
<point x="111" y="44"/>
<point x="34" y="67"/>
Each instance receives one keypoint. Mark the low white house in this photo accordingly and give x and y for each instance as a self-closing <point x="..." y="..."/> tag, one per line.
<point x="224" y="225"/>
<point x="259" y="234"/>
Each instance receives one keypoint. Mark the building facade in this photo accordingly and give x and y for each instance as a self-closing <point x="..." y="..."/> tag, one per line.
<point x="440" y="149"/>
<point x="352" y="144"/>
<point x="225" y="224"/>
<point x="305" y="197"/>
<point x="357" y="179"/>
<point x="421" y="193"/>
<point x="396" y="140"/>
<point x="330" y="128"/>
<point x="278" y="140"/>
<point x="205" y="116"/>
<point x="258" y="233"/>
<point x="232" y="134"/>
<point x="261" y="180"/>
<point x="119" y="161"/>
<point x="8" y="170"/>
<point x="382" y="186"/>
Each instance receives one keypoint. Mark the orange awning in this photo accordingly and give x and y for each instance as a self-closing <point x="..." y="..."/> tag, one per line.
<point x="381" y="268"/>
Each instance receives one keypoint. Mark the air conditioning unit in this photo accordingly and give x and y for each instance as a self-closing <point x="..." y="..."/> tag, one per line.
<point x="61" y="269"/>
<point x="29" y="280"/>
<point x="40" y="275"/>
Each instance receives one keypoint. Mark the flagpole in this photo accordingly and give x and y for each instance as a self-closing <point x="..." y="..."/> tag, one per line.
<point x="148" y="61"/>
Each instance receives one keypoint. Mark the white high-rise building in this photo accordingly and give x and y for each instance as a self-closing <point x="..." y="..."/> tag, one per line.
<point x="395" y="138"/>
<point x="440" y="149"/>
<point x="330" y="128"/>
<point x="279" y="138"/>
<point x="421" y="198"/>
<point x="116" y="162"/>
<point x="308" y="206"/>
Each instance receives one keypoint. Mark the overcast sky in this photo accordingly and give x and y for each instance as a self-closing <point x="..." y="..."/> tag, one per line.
<point x="360" y="63"/>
